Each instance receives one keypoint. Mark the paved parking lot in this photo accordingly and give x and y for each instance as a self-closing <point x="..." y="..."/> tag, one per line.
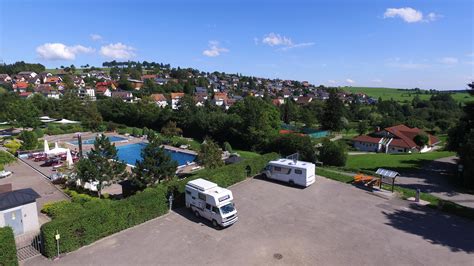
<point x="329" y="223"/>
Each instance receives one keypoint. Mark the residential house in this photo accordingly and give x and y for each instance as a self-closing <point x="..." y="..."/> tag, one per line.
<point x="79" y="82"/>
<point x="161" y="81"/>
<point x="34" y="81"/>
<point x="395" y="139"/>
<point x="159" y="99"/>
<point x="28" y="74"/>
<point x="103" y="91"/>
<point x="47" y="91"/>
<point x="136" y="84"/>
<point x="304" y="100"/>
<point x="20" y="86"/>
<point x="126" y="96"/>
<point x="175" y="99"/>
<point x="145" y="77"/>
<point x="5" y="78"/>
<point x="278" y="101"/>
<point x="86" y="93"/>
<point x="19" y="211"/>
<point x="200" y="101"/>
<point x="220" y="98"/>
<point x="54" y="80"/>
<point x="25" y="95"/>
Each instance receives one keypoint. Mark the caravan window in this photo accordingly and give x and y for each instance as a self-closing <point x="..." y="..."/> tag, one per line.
<point x="188" y="192"/>
<point x="208" y="206"/>
<point x="277" y="168"/>
<point x="215" y="209"/>
<point x="298" y="172"/>
<point x="202" y="196"/>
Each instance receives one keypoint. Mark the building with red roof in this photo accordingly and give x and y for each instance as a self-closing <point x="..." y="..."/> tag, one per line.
<point x="395" y="139"/>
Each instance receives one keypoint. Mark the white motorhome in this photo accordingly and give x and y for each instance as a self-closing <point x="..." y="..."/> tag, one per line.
<point x="210" y="201"/>
<point x="292" y="171"/>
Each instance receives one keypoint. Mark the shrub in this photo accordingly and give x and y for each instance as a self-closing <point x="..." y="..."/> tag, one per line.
<point x="227" y="147"/>
<point x="421" y="139"/>
<point x="39" y="132"/>
<point x="332" y="153"/>
<point x="5" y="158"/>
<point x="82" y="222"/>
<point x="12" y="146"/>
<point x="7" y="247"/>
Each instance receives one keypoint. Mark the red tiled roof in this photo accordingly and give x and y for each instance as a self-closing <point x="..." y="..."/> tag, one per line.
<point x="21" y="85"/>
<point x="175" y="95"/>
<point x="365" y="138"/>
<point x="158" y="97"/>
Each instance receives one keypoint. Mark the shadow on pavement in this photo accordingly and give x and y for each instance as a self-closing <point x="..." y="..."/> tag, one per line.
<point x="440" y="229"/>
<point x="263" y="178"/>
<point x="189" y="215"/>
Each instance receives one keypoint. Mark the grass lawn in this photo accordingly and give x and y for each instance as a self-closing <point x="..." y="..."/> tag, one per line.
<point x="393" y="161"/>
<point x="401" y="95"/>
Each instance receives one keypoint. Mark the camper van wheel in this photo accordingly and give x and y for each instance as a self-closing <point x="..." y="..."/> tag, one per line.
<point x="214" y="223"/>
<point x="196" y="213"/>
<point x="292" y="183"/>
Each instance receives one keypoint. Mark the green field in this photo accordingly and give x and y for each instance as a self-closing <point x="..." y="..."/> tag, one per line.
<point x="401" y="95"/>
<point x="393" y="161"/>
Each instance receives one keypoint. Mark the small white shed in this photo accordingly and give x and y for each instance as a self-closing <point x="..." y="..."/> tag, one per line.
<point x="19" y="211"/>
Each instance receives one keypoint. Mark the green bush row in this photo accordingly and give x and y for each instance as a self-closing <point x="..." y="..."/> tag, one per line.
<point x="86" y="220"/>
<point x="7" y="247"/>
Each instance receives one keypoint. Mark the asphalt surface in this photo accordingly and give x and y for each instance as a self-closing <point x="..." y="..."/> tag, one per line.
<point x="329" y="223"/>
<point x="436" y="177"/>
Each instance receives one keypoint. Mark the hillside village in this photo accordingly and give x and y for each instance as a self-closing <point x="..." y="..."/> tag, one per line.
<point x="216" y="88"/>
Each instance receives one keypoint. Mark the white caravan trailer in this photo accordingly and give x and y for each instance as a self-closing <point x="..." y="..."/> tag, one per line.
<point x="210" y="201"/>
<point x="291" y="171"/>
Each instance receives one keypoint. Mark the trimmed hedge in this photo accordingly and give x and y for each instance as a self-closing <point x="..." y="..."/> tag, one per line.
<point x="82" y="222"/>
<point x="7" y="247"/>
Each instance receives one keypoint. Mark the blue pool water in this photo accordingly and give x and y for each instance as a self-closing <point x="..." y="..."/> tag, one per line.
<point x="91" y="141"/>
<point x="131" y="153"/>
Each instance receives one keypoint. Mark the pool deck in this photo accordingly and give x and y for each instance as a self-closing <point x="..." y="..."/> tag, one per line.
<point x="171" y="148"/>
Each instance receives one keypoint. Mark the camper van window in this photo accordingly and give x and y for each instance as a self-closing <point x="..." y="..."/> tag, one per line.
<point x="289" y="171"/>
<point x="227" y="208"/>
<point x="188" y="192"/>
<point x="208" y="206"/>
<point x="298" y="172"/>
<point x="202" y="196"/>
<point x="215" y="209"/>
<point x="276" y="168"/>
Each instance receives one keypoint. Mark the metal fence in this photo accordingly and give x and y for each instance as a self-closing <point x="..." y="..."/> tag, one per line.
<point x="28" y="245"/>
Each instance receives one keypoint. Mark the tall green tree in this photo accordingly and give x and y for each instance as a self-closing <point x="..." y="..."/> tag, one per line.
<point x="461" y="139"/>
<point x="333" y="153"/>
<point x="333" y="113"/>
<point x="29" y="140"/>
<point x="155" y="166"/>
<point x="102" y="165"/>
<point x="210" y="154"/>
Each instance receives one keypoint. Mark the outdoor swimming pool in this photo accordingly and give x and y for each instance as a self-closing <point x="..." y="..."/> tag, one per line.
<point x="91" y="141"/>
<point x="131" y="153"/>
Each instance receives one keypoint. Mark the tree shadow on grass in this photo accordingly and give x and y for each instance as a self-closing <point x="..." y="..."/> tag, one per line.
<point x="439" y="229"/>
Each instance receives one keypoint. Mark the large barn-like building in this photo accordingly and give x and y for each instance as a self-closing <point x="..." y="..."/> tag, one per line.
<point x="395" y="139"/>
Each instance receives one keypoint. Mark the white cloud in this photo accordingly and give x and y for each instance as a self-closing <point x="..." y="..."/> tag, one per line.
<point x="331" y="81"/>
<point x="59" y="51"/>
<point x="377" y="81"/>
<point x="350" y="81"/>
<point x="398" y="63"/>
<point x="117" y="51"/>
<point x="96" y="37"/>
<point x="273" y="39"/>
<point x="449" y="60"/>
<point x="214" y="49"/>
<point x="410" y="15"/>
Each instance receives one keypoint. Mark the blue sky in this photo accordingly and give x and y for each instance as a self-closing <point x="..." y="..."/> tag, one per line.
<point x="406" y="44"/>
